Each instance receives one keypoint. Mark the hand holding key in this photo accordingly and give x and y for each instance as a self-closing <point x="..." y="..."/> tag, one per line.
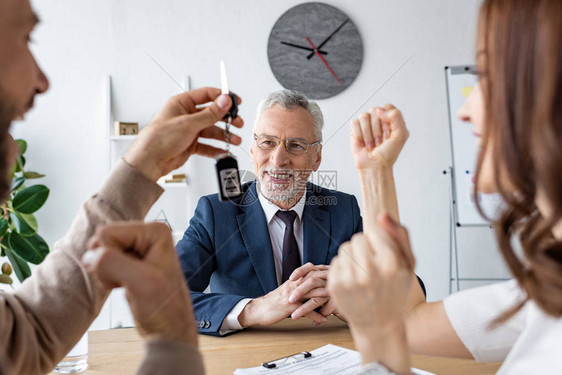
<point x="173" y="135"/>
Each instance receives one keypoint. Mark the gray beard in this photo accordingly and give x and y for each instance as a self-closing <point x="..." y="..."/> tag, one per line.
<point x="288" y="194"/>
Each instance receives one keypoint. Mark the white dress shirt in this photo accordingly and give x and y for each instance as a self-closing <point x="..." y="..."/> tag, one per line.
<point x="276" y="229"/>
<point x="528" y="343"/>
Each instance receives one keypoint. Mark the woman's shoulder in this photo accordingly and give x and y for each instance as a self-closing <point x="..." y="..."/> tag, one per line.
<point x="471" y="313"/>
<point x="493" y="298"/>
<point x="537" y="351"/>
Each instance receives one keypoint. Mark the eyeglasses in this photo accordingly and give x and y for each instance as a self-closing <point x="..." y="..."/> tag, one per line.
<point x="295" y="146"/>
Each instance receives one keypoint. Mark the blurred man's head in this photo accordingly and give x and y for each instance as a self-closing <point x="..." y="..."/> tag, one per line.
<point x="20" y="76"/>
<point x="7" y="158"/>
<point x="287" y="145"/>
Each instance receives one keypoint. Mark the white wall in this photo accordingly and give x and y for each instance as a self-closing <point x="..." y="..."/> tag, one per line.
<point x="79" y="42"/>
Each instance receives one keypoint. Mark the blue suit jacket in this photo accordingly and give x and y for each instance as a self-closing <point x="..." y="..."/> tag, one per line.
<point x="227" y="245"/>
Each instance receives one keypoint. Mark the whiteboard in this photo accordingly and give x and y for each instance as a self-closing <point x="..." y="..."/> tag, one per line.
<point x="460" y="82"/>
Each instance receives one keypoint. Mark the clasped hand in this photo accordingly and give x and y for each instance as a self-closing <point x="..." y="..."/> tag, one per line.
<point x="297" y="297"/>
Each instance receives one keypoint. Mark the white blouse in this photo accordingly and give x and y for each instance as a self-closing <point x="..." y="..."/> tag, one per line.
<point x="528" y="343"/>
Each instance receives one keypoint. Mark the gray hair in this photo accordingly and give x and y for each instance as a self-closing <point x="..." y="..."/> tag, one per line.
<point x="291" y="99"/>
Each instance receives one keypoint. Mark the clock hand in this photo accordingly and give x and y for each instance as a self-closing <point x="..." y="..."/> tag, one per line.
<point x="328" y="38"/>
<point x="302" y="47"/>
<point x="324" y="61"/>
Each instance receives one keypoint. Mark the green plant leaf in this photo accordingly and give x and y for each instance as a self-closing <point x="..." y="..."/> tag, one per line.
<point x="25" y="224"/>
<point x="32" y="249"/>
<point x="20" y="163"/>
<point x="20" y="266"/>
<point x="17" y="182"/>
<point x="32" y="175"/>
<point x="30" y="199"/>
<point x="30" y="220"/>
<point x="22" y="145"/>
<point x="3" y="227"/>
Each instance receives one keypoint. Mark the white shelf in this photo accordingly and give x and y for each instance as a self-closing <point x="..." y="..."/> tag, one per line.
<point x="122" y="137"/>
<point x="117" y="311"/>
<point x="167" y="185"/>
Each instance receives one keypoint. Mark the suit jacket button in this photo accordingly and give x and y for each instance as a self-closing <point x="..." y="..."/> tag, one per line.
<point x="207" y="324"/>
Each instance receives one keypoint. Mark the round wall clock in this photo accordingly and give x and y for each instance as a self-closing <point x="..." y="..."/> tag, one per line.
<point x="316" y="49"/>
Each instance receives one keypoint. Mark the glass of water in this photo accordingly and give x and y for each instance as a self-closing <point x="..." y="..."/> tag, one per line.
<point x="77" y="358"/>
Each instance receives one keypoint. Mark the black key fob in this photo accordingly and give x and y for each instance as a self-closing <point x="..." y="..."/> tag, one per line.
<point x="228" y="177"/>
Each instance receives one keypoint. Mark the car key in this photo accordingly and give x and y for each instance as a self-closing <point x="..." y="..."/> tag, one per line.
<point x="226" y="164"/>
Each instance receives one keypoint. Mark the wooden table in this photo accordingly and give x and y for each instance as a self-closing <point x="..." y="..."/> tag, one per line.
<point x="119" y="351"/>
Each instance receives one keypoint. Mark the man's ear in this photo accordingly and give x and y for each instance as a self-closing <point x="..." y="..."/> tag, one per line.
<point x="318" y="159"/>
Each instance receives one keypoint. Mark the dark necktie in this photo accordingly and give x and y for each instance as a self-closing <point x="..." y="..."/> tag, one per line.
<point x="291" y="257"/>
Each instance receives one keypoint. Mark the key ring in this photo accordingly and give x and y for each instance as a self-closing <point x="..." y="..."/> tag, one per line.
<point x="227" y="134"/>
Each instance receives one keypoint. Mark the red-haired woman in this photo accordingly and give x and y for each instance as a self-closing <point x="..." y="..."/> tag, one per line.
<point x="516" y="112"/>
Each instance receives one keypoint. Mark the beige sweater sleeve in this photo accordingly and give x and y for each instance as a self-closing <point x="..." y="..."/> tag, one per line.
<point x="43" y="320"/>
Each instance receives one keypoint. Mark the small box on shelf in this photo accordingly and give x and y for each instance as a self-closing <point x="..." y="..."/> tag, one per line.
<point x="125" y="128"/>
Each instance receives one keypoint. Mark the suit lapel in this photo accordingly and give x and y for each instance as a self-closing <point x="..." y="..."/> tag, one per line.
<point x="255" y="234"/>
<point x="317" y="230"/>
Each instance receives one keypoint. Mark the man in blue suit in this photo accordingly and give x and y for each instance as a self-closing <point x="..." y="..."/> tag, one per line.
<point x="265" y="255"/>
<point x="246" y="249"/>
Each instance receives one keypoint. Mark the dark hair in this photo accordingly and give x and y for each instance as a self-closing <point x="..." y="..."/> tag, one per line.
<point x="521" y="42"/>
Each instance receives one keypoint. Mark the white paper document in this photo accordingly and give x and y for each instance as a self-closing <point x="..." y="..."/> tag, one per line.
<point x="327" y="360"/>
